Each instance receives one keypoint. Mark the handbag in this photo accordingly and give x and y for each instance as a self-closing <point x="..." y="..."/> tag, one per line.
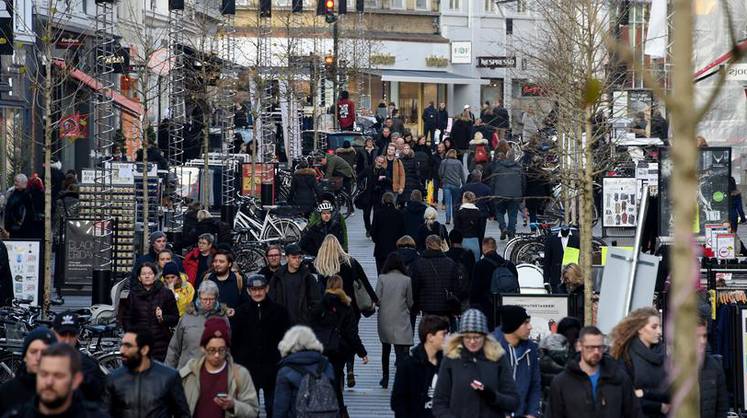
<point x="362" y="299"/>
<point x="362" y="200"/>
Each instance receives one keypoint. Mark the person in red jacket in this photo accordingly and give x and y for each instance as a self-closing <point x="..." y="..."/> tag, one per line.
<point x="198" y="261"/>
<point x="345" y="111"/>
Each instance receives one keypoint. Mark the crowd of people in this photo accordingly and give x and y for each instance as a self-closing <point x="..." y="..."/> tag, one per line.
<point x="202" y="338"/>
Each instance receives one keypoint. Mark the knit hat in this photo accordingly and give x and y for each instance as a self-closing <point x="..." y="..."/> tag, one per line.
<point x="475" y="321"/>
<point x="170" y="269"/>
<point x="156" y="235"/>
<point x="215" y="327"/>
<point x="38" y="333"/>
<point x="512" y="316"/>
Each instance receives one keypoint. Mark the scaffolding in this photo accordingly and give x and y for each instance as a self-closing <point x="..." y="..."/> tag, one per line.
<point x="177" y="113"/>
<point x="227" y="106"/>
<point x="267" y="142"/>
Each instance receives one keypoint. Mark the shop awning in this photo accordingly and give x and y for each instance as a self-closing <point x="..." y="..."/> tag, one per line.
<point x="125" y="103"/>
<point x="418" y="76"/>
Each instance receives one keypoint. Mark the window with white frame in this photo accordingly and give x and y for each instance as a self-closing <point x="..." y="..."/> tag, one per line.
<point x="455" y="4"/>
<point x="372" y="4"/>
<point x="488" y="5"/>
<point x="421" y="5"/>
<point x="397" y="4"/>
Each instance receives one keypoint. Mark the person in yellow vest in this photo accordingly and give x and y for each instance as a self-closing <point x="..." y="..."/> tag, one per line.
<point x="178" y="283"/>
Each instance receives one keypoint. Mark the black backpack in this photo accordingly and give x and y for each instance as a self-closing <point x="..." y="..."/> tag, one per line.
<point x="316" y="396"/>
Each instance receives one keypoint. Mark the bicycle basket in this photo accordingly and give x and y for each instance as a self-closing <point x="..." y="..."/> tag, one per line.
<point x="332" y="184"/>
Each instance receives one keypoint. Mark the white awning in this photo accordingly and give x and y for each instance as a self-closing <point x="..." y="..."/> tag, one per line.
<point x="418" y="76"/>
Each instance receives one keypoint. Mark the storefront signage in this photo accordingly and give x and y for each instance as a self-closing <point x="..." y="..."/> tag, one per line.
<point x="496" y="62"/>
<point x="69" y="42"/>
<point x="531" y="90"/>
<point x="461" y="52"/>
<point x="74" y="126"/>
<point x="120" y="60"/>
<point x="737" y="72"/>
<point x="25" y="263"/>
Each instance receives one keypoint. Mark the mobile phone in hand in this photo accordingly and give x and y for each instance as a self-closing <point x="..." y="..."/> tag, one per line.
<point x="222" y="396"/>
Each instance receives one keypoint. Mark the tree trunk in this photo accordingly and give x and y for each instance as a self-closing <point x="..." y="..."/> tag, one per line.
<point x="587" y="218"/>
<point x="685" y="399"/>
<point x="48" y="86"/>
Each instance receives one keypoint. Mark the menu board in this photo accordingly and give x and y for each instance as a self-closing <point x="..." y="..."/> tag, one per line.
<point x="714" y="169"/>
<point x="619" y="201"/>
<point x="25" y="259"/>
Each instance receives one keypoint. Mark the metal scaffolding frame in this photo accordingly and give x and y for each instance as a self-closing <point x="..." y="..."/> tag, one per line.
<point x="229" y="76"/>
<point x="267" y="142"/>
<point x="177" y="112"/>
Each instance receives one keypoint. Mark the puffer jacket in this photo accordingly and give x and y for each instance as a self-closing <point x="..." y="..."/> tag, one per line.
<point x="570" y="393"/>
<point x="507" y="179"/>
<point x="156" y="392"/>
<point x="412" y="176"/>
<point x="524" y="361"/>
<point x="714" y="397"/>
<point x="347" y="154"/>
<point x="455" y="398"/>
<point x="289" y="379"/>
<point x="185" y="343"/>
<point x="139" y="310"/>
<point x="432" y="275"/>
<point x="646" y="368"/>
<point x="240" y="388"/>
<point x="304" y="189"/>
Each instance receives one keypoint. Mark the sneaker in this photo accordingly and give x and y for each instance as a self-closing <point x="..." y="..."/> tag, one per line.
<point x="743" y="221"/>
<point x="503" y="235"/>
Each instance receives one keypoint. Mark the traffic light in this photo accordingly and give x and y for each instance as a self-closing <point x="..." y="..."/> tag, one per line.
<point x="329" y="11"/>
<point x="329" y="67"/>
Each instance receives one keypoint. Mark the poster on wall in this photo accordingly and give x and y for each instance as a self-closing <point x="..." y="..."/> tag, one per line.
<point x="546" y="311"/>
<point x="647" y="174"/>
<point x="714" y="169"/>
<point x="619" y="201"/>
<point x="25" y="259"/>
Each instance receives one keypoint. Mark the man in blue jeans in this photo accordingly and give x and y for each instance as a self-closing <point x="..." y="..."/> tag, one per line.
<point x="508" y="181"/>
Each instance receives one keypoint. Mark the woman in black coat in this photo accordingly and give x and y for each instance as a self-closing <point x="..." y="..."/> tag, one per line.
<point x="150" y="305"/>
<point x="366" y="157"/>
<point x="333" y="321"/>
<point x="304" y="189"/>
<point x="461" y="132"/>
<point x="573" y="280"/>
<point x="387" y="228"/>
<point x="470" y="221"/>
<point x="636" y="344"/>
<point x="377" y="183"/>
<point x="412" y="174"/>
<point x="430" y="227"/>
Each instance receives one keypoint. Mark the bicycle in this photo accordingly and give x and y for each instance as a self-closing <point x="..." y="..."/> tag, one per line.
<point x="274" y="228"/>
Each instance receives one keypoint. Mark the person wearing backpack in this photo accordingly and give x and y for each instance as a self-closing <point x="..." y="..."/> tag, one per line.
<point x="305" y="381"/>
<point x="483" y="279"/>
<point x="479" y="152"/>
<point x="334" y="324"/>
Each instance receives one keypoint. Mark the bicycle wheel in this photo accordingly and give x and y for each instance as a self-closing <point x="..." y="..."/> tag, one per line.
<point x="282" y="231"/>
<point x="109" y="362"/>
<point x="530" y="253"/>
<point x="250" y="258"/>
<point x="345" y="203"/>
<point x="9" y="365"/>
<point x="510" y="246"/>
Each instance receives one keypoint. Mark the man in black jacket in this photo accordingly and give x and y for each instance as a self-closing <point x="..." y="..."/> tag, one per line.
<point x="714" y="397"/>
<point x="480" y="296"/>
<point x="273" y="256"/>
<point x="257" y="328"/>
<point x="67" y="327"/>
<point x="463" y="257"/>
<point x="442" y="122"/>
<point x="593" y="386"/>
<point x="436" y="281"/>
<point x="295" y="288"/>
<point x="22" y="388"/>
<point x="143" y="387"/>
<point x="415" y="381"/>
<point x="429" y="121"/>
<point x="58" y="379"/>
<point x="501" y="120"/>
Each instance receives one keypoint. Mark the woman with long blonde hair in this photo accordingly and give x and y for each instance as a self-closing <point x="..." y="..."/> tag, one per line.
<point x="334" y="324"/>
<point x="332" y="260"/>
<point x="636" y="342"/>
<point x="573" y="279"/>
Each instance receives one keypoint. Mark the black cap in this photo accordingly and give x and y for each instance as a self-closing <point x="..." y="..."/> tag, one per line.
<point x="257" y="280"/>
<point x="65" y="322"/>
<point x="293" y="249"/>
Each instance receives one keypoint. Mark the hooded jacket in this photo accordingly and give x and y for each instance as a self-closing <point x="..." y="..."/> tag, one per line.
<point x="289" y="379"/>
<point x="508" y="180"/>
<point x="571" y="397"/>
<point x="347" y="154"/>
<point x="308" y="295"/>
<point x="156" y="392"/>
<point x="524" y="361"/>
<point x="408" y="256"/>
<point x="138" y="311"/>
<point x="256" y="330"/>
<point x="240" y="388"/>
<point x="185" y="343"/>
<point x="455" y="398"/>
<point x="304" y="189"/>
<point x="414" y="385"/>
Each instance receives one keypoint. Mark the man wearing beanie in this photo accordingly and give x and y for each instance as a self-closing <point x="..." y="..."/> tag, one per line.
<point x="214" y="385"/>
<point x="523" y="356"/>
<point x="157" y="242"/>
<point x="22" y="388"/>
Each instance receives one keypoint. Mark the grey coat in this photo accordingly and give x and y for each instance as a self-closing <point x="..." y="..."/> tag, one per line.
<point x="394" y="290"/>
<point x="185" y="343"/>
<point x="508" y="179"/>
<point x="451" y="172"/>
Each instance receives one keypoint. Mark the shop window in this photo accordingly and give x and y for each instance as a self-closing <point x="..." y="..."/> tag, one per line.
<point x="509" y="26"/>
<point x="455" y="4"/>
<point x="372" y="4"/>
<point x="421" y="4"/>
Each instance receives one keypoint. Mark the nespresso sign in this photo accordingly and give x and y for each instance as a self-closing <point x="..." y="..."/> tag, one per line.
<point x="496" y="62"/>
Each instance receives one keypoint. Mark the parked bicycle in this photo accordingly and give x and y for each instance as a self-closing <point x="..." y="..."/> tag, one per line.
<point x="264" y="225"/>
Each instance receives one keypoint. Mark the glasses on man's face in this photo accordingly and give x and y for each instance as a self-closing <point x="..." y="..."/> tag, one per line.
<point x="213" y="351"/>
<point x="594" y="347"/>
<point x="474" y="338"/>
